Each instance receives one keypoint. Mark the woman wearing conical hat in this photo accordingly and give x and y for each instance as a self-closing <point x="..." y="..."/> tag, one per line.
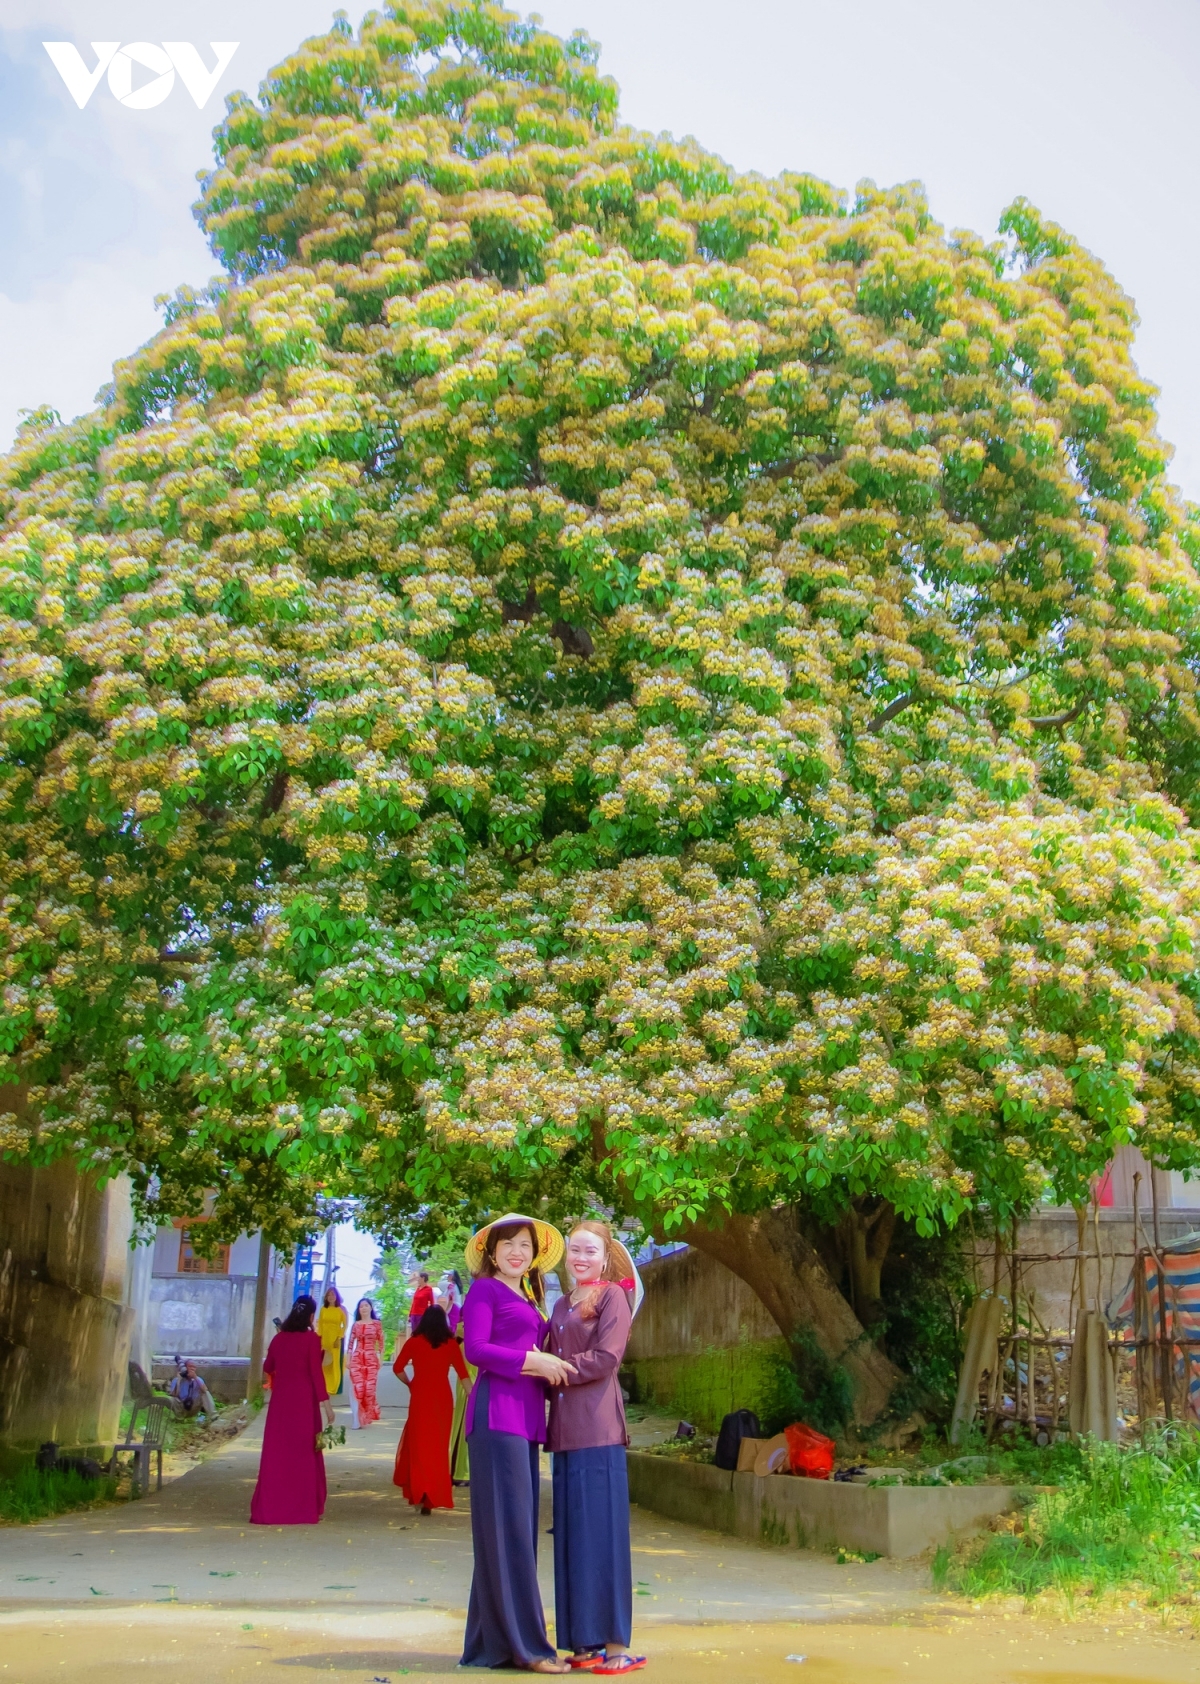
<point x="504" y="1326"/>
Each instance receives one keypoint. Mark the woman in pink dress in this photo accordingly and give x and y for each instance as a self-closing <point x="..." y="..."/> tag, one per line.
<point x="366" y="1351"/>
<point x="291" y="1472"/>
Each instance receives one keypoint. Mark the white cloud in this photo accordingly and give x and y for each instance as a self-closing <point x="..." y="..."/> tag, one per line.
<point x="98" y="202"/>
<point x="60" y="343"/>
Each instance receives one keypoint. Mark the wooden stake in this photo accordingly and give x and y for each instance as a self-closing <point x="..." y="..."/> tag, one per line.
<point x="1141" y="1312"/>
<point x="258" y="1339"/>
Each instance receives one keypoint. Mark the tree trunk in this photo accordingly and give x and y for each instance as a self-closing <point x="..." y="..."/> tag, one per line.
<point x="783" y="1268"/>
<point x="258" y="1339"/>
<point x="866" y="1232"/>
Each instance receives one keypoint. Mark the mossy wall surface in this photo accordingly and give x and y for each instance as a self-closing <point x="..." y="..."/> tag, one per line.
<point x="704" y="1387"/>
<point x="64" y="1328"/>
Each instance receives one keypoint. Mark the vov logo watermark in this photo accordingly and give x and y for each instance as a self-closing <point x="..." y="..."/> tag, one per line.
<point x="164" y="61"/>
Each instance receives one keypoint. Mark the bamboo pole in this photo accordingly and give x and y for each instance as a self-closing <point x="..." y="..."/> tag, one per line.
<point x="1164" y="1345"/>
<point x="1141" y="1312"/>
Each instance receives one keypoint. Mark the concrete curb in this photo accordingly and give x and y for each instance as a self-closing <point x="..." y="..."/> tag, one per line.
<point x="895" y="1520"/>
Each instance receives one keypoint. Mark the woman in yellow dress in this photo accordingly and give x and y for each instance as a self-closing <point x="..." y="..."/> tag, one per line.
<point x="331" y="1325"/>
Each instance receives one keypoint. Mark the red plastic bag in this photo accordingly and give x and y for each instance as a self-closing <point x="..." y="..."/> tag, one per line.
<point x="810" y="1453"/>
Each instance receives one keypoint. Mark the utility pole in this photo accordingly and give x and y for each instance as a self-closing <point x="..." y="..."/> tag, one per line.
<point x="258" y="1339"/>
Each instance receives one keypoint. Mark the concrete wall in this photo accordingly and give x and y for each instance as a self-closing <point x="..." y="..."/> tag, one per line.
<point x="1047" y="1245"/>
<point x="694" y="1303"/>
<point x="210" y="1315"/>
<point x="64" y="1325"/>
<point x="138" y="1276"/>
<point x="814" y="1513"/>
<point x="202" y="1315"/>
<point x="702" y="1343"/>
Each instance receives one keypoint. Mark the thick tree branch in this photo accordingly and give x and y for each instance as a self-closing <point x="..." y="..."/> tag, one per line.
<point x="877" y="724"/>
<point x="510" y="611"/>
<point x="770" y="1252"/>
<point x="784" y="470"/>
<point x="1051" y="721"/>
<point x="575" y="640"/>
<point x="273" y="799"/>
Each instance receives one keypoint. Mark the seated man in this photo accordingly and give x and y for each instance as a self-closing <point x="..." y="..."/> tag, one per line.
<point x="189" y="1394"/>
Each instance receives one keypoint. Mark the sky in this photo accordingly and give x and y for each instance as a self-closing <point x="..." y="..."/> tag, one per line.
<point x="1086" y="107"/>
<point x="355" y="1254"/>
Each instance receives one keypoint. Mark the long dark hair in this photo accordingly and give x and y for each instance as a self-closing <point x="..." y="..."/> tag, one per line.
<point x="433" y="1326"/>
<point x="299" y="1318"/>
<point x="507" y="1231"/>
<point x="359" y="1306"/>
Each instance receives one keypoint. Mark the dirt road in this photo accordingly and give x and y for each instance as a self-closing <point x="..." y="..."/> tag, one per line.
<point x="181" y="1580"/>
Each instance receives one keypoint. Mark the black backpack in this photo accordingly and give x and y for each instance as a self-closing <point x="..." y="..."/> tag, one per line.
<point x="743" y="1423"/>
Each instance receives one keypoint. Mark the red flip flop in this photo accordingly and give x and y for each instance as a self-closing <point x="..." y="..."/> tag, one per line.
<point x="585" y="1663"/>
<point x="620" y="1663"/>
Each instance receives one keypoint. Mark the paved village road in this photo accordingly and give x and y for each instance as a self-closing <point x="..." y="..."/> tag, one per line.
<point x="377" y="1592"/>
<point x="192" y="1543"/>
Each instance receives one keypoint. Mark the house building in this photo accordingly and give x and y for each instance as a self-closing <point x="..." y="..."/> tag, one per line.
<point x="203" y="1307"/>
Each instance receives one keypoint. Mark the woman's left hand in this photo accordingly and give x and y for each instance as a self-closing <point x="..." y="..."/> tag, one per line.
<point x="327" y="1413"/>
<point x="547" y="1367"/>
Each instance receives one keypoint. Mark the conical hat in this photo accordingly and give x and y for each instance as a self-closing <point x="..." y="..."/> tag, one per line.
<point x="550" y="1243"/>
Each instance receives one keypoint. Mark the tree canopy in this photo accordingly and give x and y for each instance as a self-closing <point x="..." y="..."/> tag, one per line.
<point x="572" y="666"/>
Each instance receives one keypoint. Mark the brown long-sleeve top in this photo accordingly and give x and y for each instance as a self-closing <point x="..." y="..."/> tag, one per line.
<point x="589" y="1411"/>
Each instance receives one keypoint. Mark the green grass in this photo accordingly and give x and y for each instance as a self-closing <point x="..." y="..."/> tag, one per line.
<point x="34" y="1494"/>
<point x="682" y="1450"/>
<point x="1010" y="1461"/>
<point x="1126" y="1519"/>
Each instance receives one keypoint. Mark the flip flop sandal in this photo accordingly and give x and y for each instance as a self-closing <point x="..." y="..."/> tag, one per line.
<point x="585" y="1663"/>
<point x="620" y="1663"/>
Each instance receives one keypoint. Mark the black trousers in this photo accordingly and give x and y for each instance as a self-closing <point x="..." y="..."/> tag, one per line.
<point x="506" y="1623"/>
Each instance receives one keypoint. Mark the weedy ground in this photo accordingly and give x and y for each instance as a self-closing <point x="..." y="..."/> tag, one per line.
<point x="1125" y="1520"/>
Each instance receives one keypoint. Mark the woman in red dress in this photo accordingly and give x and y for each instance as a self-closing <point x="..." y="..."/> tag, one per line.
<point x="291" y="1472"/>
<point x="366" y="1351"/>
<point x="423" y="1458"/>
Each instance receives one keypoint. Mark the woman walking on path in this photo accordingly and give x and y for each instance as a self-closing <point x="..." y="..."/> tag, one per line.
<point x="452" y="1303"/>
<point x="593" y="1572"/>
<point x="450" y="1297"/>
<point x="506" y="1415"/>
<point x="331" y="1325"/>
<point x="423" y="1454"/>
<point x="291" y="1472"/>
<point x="366" y="1353"/>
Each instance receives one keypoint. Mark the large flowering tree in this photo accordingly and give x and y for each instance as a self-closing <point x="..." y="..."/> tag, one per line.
<point x="572" y="669"/>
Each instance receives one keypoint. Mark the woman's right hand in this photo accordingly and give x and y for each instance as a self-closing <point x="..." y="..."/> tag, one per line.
<point x="543" y="1366"/>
